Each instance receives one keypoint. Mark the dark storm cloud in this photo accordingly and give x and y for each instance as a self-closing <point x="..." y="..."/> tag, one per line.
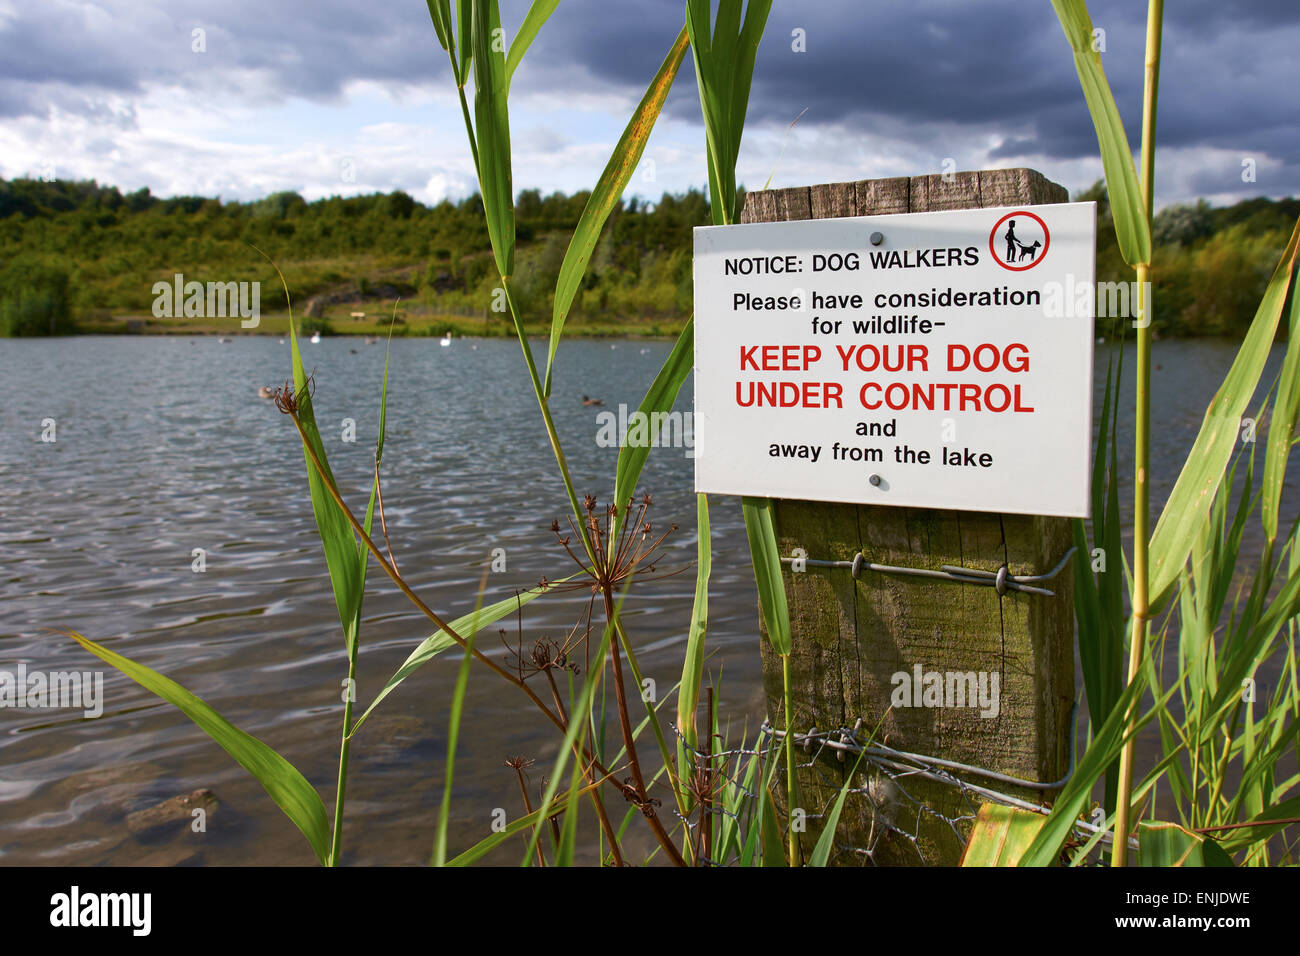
<point x="293" y="49"/>
<point x="998" y="67"/>
<point x="995" y="70"/>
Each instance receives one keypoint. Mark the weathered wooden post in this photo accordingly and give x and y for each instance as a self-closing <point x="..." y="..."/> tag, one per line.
<point x="853" y="636"/>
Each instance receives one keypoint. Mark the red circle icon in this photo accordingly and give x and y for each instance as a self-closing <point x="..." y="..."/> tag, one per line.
<point x="1020" y="255"/>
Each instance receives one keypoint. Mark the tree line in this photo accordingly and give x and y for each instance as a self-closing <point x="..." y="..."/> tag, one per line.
<point x="70" y="250"/>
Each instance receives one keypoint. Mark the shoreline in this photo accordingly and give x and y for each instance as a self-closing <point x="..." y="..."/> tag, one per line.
<point x="277" y="325"/>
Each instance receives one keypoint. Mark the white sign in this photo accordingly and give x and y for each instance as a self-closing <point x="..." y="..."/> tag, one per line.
<point x="932" y="360"/>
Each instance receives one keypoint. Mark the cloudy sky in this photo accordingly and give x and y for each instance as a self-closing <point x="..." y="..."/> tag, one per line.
<point x="337" y="96"/>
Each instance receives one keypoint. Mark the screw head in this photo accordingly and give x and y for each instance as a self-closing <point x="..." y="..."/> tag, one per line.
<point x="877" y="238"/>
<point x="874" y="479"/>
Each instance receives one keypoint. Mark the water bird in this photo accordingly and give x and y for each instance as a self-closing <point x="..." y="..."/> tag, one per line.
<point x="588" y="400"/>
<point x="445" y="340"/>
<point x="315" y="338"/>
<point x="266" y="392"/>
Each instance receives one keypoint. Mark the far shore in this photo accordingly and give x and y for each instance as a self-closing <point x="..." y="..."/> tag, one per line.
<point x="377" y="324"/>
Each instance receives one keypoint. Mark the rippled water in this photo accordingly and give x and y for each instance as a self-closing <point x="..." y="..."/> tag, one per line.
<point x="163" y="447"/>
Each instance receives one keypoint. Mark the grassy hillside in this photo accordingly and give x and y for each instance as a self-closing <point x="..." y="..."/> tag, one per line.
<point x="80" y="256"/>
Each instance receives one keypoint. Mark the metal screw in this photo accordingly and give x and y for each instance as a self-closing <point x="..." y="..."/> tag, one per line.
<point x="874" y="479"/>
<point x="877" y="238"/>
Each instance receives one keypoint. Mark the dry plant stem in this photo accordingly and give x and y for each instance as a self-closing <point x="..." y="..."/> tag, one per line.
<point x="629" y="742"/>
<point x="606" y="775"/>
<point x="674" y="779"/>
<point x="611" y="836"/>
<point x="528" y="808"/>
<point x="1142" y="442"/>
<point x="706" y="798"/>
<point x="383" y="521"/>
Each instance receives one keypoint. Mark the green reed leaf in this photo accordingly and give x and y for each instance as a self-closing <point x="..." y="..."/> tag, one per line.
<point x="688" y="694"/>
<point x="453" y="734"/>
<point x="284" y="784"/>
<point x="345" y="563"/>
<point x="1168" y="844"/>
<point x="1188" y="507"/>
<point x="821" y="853"/>
<point x="605" y="197"/>
<point x="537" y="15"/>
<point x="492" y="128"/>
<point x="1281" y="428"/>
<point x="1001" y="835"/>
<point x="1101" y="753"/>
<point x="465" y="43"/>
<point x="724" y="55"/>
<point x="1127" y="207"/>
<point x="490" y="843"/>
<point x="440" y="14"/>
<point x="440" y="641"/>
<point x="659" y="400"/>
<point x="761" y="529"/>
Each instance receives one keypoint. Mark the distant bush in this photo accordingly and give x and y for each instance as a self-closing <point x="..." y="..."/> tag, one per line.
<point x="34" y="298"/>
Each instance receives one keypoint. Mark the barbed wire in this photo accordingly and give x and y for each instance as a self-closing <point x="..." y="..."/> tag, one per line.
<point x="886" y="805"/>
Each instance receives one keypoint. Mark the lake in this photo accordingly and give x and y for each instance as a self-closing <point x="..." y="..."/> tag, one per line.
<point x="163" y="447"/>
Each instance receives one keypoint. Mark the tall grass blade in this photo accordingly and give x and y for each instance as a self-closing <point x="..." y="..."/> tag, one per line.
<point x="1106" y="745"/>
<point x="490" y="843"/>
<point x="605" y="197"/>
<point x="1168" y="844"/>
<point x="453" y="734"/>
<point x="821" y="853"/>
<point x="1281" y="429"/>
<point x="1189" y="503"/>
<point x="569" y="831"/>
<point x="1001" y="835"/>
<point x="285" y="785"/>
<point x="760" y="528"/>
<point x="492" y="127"/>
<point x="770" y="829"/>
<point x="440" y="641"/>
<point x="346" y="565"/>
<point x="724" y="70"/>
<point x="537" y="15"/>
<point x="659" y="399"/>
<point x="688" y="694"/>
<point x="1126" y="202"/>
<point x="440" y="13"/>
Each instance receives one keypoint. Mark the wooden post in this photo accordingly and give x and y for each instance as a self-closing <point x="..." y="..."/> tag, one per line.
<point x="851" y="637"/>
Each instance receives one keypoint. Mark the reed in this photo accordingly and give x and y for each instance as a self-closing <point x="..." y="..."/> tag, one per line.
<point x="1221" y="761"/>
